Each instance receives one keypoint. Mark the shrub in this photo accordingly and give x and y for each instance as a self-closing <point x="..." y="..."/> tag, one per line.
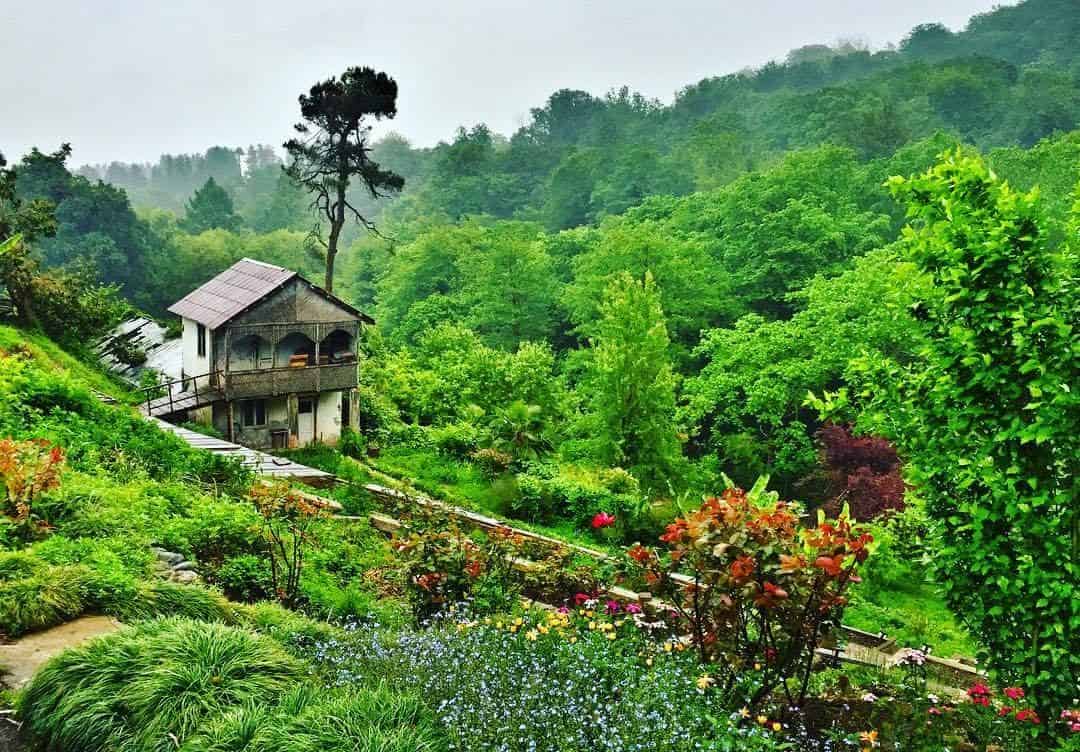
<point x="40" y="596"/>
<point x="149" y="687"/>
<point x="245" y="578"/>
<point x="352" y="444"/>
<point x="288" y="529"/>
<point x="211" y="530"/>
<point x="445" y="566"/>
<point x="28" y="469"/>
<point x="751" y="586"/>
<point x="989" y="415"/>
<point x="492" y="462"/>
<point x="456" y="439"/>
<point x="863" y="472"/>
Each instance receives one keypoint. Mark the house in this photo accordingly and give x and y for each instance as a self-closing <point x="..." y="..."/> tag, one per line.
<point x="268" y="358"/>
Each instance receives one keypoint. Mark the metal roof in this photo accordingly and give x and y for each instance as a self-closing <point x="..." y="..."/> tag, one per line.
<point x="238" y="288"/>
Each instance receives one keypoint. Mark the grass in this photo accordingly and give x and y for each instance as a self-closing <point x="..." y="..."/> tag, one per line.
<point x="915" y="615"/>
<point x="151" y="686"/>
<point x="57" y="359"/>
<point x="178" y="683"/>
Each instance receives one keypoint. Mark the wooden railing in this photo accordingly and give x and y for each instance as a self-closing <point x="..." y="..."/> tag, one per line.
<point x="152" y="393"/>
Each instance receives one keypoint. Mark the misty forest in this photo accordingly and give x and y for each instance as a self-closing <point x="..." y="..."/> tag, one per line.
<point x="748" y="420"/>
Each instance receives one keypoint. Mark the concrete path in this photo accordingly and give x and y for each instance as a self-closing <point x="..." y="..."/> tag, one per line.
<point x="261" y="462"/>
<point x="22" y="658"/>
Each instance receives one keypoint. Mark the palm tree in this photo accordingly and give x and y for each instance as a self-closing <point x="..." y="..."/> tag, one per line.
<point x="519" y="430"/>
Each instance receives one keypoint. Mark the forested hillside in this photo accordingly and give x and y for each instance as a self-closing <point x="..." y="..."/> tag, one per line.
<point x="846" y="279"/>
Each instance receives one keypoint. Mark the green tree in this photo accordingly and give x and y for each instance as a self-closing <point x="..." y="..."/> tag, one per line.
<point x="209" y="208"/>
<point x="333" y="148"/>
<point x="991" y="419"/>
<point x="508" y="286"/>
<point x="630" y="385"/>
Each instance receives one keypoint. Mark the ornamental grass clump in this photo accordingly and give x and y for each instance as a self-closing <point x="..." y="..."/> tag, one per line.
<point x="150" y="686"/>
<point x="754" y="589"/>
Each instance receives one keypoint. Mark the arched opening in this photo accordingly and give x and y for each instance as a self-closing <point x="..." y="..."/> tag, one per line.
<point x="295" y="349"/>
<point x="337" y="347"/>
<point x="250" y="352"/>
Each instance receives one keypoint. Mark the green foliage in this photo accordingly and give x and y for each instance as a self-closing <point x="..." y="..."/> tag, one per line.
<point x="631" y="384"/>
<point x="989" y="418"/>
<point x="210" y="208"/>
<point x="35" y="596"/>
<point x="746" y="403"/>
<point x="150" y="687"/>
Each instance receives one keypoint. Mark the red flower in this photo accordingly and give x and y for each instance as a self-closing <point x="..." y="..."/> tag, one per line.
<point x="1014" y="693"/>
<point x="639" y="553"/>
<point x="1005" y="710"/>
<point x="473" y="569"/>
<point x="602" y="519"/>
<point x="580" y="598"/>
<point x="980" y="694"/>
<point x="1027" y="715"/>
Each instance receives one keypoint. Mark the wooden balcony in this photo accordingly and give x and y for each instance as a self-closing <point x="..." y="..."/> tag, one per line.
<point x="272" y="382"/>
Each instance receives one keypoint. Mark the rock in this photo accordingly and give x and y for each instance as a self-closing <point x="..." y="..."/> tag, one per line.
<point x="184" y="577"/>
<point x="169" y="557"/>
<point x="183" y="566"/>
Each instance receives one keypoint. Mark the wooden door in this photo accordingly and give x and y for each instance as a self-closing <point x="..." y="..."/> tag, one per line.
<point x="305" y="431"/>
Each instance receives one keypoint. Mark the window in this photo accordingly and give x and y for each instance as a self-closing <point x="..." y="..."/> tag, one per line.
<point x="200" y="337"/>
<point x="253" y="413"/>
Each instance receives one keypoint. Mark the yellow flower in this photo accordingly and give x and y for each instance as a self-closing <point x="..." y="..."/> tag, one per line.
<point x="869" y="738"/>
<point x="518" y="622"/>
<point x="648" y="661"/>
<point x="611" y="635"/>
<point x="667" y="647"/>
<point x="757" y="666"/>
<point x="744" y="712"/>
<point x="776" y="726"/>
<point x="762" y="720"/>
<point x="531" y="635"/>
<point x="513" y="628"/>
<point x="704" y="682"/>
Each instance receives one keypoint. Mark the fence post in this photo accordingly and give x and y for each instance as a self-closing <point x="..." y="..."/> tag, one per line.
<point x="168" y="386"/>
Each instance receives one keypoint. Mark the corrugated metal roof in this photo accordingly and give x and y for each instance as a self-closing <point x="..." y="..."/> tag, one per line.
<point x="231" y="292"/>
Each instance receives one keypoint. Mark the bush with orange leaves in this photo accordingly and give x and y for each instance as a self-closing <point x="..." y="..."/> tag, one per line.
<point x="289" y="522"/>
<point x="754" y="590"/>
<point x="28" y="469"/>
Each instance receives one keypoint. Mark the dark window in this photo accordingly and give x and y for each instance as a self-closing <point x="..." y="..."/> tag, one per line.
<point x="253" y="413"/>
<point x="345" y="409"/>
<point x="306" y="406"/>
<point x="200" y="336"/>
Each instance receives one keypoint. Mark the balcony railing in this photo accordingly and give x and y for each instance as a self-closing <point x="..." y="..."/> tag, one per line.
<point x="271" y="382"/>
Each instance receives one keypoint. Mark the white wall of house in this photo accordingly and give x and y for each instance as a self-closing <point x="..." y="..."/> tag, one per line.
<point x="193" y="363"/>
<point x="328" y="417"/>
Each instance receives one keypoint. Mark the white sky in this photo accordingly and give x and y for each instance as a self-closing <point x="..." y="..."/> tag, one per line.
<point x="129" y="79"/>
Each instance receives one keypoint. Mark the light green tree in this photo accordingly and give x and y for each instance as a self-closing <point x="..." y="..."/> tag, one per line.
<point x="630" y="383"/>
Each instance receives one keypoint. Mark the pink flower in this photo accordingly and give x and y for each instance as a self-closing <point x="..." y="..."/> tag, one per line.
<point x="612" y="607"/>
<point x="602" y="519"/>
<point x="580" y="598"/>
<point x="1014" y="693"/>
<point x="1027" y="715"/>
<point x="633" y="608"/>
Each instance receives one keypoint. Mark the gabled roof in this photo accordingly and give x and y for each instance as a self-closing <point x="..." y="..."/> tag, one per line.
<point x="238" y="288"/>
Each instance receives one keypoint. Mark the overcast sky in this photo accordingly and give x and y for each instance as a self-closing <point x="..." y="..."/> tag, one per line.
<point x="129" y="79"/>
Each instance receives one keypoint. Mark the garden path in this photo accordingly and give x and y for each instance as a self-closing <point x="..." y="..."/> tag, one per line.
<point x="20" y="659"/>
